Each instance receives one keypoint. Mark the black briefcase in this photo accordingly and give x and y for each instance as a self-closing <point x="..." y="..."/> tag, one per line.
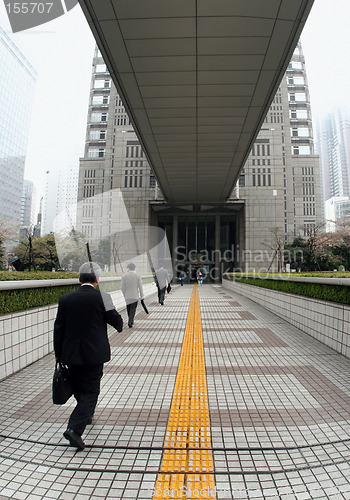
<point x="62" y="388"/>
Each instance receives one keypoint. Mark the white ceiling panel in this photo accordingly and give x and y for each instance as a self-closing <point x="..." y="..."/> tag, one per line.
<point x="197" y="79"/>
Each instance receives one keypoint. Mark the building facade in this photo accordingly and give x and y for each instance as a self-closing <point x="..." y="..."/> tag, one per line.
<point x="337" y="209"/>
<point x="333" y="144"/>
<point x="60" y="198"/>
<point x="276" y="198"/>
<point x="17" y="85"/>
<point x="28" y="209"/>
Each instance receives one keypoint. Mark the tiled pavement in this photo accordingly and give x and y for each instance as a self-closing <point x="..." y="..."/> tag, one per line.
<point x="279" y="406"/>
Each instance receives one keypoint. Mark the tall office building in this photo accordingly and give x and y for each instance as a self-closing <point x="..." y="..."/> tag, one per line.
<point x="333" y="143"/>
<point x="28" y="209"/>
<point x="280" y="182"/>
<point x="278" y="189"/>
<point x="60" y="193"/>
<point x="17" y="85"/>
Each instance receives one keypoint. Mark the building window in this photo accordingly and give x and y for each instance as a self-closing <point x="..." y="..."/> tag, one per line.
<point x="99" y="117"/>
<point x="98" y="135"/>
<point x="100" y="100"/>
<point x="301" y="150"/>
<point x="300" y="132"/>
<point x="101" y="68"/>
<point x="96" y="153"/>
<point x="296" y="65"/>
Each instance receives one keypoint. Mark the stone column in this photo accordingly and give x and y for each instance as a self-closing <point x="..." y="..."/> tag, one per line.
<point x="217" y="248"/>
<point x="175" y="244"/>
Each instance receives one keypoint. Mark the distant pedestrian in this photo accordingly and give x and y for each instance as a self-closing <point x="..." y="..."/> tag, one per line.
<point x="182" y="277"/>
<point x="81" y="343"/>
<point x="200" y="278"/>
<point x="132" y="290"/>
<point x="162" y="280"/>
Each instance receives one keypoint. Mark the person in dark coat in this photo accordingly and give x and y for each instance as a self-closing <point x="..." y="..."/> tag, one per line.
<point x="81" y="342"/>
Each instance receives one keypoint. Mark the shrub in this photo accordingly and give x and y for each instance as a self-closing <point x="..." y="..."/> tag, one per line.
<point x="26" y="298"/>
<point x="332" y="293"/>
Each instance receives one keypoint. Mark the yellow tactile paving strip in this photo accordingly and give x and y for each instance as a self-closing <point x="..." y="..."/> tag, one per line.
<point x="187" y="467"/>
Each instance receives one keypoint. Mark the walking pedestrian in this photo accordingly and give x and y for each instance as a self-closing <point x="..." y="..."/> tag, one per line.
<point x="162" y="280"/>
<point x="81" y="342"/>
<point x="132" y="290"/>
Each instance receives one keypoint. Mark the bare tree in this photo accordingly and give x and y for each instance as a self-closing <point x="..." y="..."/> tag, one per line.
<point x="116" y="246"/>
<point x="276" y="244"/>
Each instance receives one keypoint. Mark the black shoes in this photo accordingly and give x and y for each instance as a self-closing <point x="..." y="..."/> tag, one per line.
<point x="74" y="439"/>
<point x="130" y="325"/>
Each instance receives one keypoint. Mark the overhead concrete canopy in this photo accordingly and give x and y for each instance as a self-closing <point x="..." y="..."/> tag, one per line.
<point x="197" y="78"/>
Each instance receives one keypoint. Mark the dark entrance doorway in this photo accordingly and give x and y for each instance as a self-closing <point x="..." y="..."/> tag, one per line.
<point x="201" y="242"/>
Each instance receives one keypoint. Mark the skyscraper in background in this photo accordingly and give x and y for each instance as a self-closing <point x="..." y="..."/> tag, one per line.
<point x="333" y="144"/>
<point x="61" y="186"/>
<point x="333" y="134"/>
<point x="278" y="191"/>
<point x="28" y="210"/>
<point x="17" y="85"/>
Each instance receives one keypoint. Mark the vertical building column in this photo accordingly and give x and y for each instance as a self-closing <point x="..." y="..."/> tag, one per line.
<point x="217" y="248"/>
<point x="175" y="244"/>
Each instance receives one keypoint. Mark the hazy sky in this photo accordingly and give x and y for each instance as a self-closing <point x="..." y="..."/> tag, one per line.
<point x="61" y="51"/>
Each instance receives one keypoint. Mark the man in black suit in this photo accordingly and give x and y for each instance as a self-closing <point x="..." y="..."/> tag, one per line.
<point x="81" y="342"/>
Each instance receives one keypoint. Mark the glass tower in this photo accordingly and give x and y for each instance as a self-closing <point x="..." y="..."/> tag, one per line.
<point x="17" y="84"/>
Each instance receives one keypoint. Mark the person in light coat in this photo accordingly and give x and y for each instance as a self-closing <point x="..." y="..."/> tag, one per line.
<point x="162" y="280"/>
<point x="132" y="290"/>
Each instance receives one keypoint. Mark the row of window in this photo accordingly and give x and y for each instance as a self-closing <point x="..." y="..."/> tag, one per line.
<point x="261" y="177"/>
<point x="89" y="173"/>
<point x="309" y="209"/>
<point x="134" y="152"/>
<point x="133" y="178"/>
<point x="261" y="162"/>
<point x="308" y="189"/>
<point x="261" y="150"/>
<point x="274" y="117"/>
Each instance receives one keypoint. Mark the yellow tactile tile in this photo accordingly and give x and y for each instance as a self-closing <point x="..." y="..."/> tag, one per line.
<point x="187" y="467"/>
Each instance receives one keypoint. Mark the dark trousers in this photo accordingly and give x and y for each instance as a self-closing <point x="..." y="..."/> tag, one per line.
<point x="161" y="294"/>
<point x="86" y="389"/>
<point x="131" y="310"/>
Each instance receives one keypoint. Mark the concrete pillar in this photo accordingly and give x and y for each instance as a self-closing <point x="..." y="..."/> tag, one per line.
<point x="175" y="244"/>
<point x="217" y="248"/>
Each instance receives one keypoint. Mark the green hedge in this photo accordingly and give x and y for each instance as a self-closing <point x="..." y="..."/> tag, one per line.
<point x="35" y="275"/>
<point x="333" y="293"/>
<point x="25" y="298"/>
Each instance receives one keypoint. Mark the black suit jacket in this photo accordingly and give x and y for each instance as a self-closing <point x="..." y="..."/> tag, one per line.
<point x="80" y="329"/>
